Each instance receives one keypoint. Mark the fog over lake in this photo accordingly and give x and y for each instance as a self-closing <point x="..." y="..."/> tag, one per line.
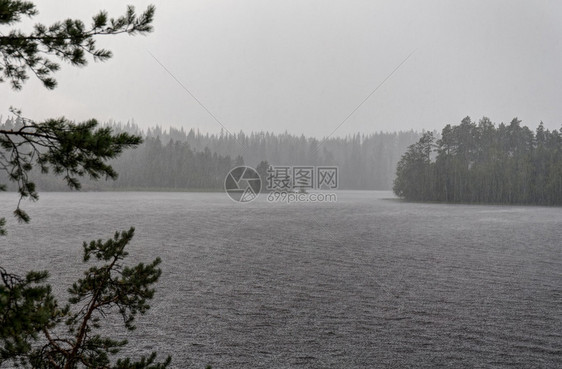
<point x="313" y="184"/>
<point x="367" y="281"/>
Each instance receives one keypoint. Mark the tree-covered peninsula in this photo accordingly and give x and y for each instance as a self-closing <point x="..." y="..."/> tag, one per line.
<point x="483" y="163"/>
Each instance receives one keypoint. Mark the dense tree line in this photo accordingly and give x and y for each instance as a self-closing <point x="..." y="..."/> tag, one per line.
<point x="484" y="163"/>
<point x="189" y="160"/>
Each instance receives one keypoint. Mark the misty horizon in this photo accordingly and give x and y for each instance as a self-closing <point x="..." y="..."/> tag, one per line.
<point x="304" y="67"/>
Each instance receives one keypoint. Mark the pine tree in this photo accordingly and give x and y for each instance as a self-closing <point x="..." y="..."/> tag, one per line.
<point x="481" y="163"/>
<point x="29" y="312"/>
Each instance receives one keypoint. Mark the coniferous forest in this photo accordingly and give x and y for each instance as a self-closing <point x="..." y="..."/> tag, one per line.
<point x="469" y="163"/>
<point x="175" y="159"/>
<point x="483" y="163"/>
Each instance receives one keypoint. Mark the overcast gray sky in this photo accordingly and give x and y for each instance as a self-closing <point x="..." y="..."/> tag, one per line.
<point x="303" y="66"/>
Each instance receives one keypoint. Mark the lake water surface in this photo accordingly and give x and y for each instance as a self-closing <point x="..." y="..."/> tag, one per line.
<point x="365" y="282"/>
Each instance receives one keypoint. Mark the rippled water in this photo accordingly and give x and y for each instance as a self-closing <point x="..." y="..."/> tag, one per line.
<point x="365" y="282"/>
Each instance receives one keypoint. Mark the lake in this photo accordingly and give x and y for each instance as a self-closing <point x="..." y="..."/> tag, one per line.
<point x="367" y="281"/>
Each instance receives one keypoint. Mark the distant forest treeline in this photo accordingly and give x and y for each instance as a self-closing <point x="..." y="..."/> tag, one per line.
<point x="484" y="163"/>
<point x="175" y="159"/>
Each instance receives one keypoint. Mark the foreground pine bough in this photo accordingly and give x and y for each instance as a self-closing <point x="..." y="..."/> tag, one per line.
<point x="62" y="147"/>
<point x="34" y="330"/>
<point x="37" y="332"/>
<point x="482" y="163"/>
